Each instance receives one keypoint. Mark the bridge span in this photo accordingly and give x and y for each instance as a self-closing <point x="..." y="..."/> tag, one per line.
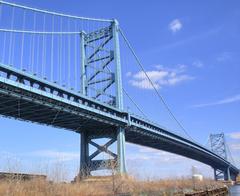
<point x="96" y="110"/>
<point x="32" y="99"/>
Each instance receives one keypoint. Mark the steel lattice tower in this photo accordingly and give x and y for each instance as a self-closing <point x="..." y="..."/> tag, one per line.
<point x="100" y="49"/>
<point x="218" y="146"/>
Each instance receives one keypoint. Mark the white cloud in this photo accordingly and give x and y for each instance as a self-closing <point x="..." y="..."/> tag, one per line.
<point x="128" y="74"/>
<point x="235" y="98"/>
<point x="175" y="25"/>
<point x="234" y="135"/>
<point x="198" y="64"/>
<point x="225" y="56"/>
<point x="158" y="156"/>
<point x="160" y="77"/>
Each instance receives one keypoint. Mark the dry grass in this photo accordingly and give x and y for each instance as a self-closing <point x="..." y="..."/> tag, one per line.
<point x="128" y="186"/>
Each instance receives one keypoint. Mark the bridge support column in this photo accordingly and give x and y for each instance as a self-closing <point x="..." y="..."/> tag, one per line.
<point x="227" y="175"/>
<point x="84" y="148"/>
<point x="121" y="151"/>
<point x="233" y="177"/>
<point x="215" y="174"/>
<point x="218" y="174"/>
<point x="223" y="174"/>
<point x="115" y="162"/>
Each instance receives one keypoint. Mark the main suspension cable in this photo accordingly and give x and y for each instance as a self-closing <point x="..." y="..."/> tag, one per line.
<point x="136" y="105"/>
<point x="151" y="82"/>
<point x="230" y="154"/>
<point x="54" y="13"/>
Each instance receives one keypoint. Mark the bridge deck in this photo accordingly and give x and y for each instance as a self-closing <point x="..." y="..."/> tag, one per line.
<point x="25" y="97"/>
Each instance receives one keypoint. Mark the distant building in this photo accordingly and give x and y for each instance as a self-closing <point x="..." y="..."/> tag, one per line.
<point x="196" y="174"/>
<point x="198" y="177"/>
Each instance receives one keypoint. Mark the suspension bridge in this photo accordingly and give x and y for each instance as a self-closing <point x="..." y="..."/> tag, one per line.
<point x="65" y="71"/>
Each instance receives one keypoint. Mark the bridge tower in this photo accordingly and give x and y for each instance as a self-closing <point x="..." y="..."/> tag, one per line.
<point x="101" y="80"/>
<point x="218" y="146"/>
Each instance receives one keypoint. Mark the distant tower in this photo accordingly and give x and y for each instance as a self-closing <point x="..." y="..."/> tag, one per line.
<point x="218" y="146"/>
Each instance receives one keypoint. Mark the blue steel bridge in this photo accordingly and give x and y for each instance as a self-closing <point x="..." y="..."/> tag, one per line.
<point x="65" y="71"/>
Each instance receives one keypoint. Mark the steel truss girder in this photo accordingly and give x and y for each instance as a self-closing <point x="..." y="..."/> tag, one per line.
<point x="98" y="34"/>
<point x="50" y="103"/>
<point x="58" y="91"/>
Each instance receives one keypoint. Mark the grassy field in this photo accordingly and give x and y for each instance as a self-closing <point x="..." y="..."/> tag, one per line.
<point x="112" y="185"/>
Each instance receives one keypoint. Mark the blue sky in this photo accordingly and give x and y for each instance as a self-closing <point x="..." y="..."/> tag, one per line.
<point x="190" y="50"/>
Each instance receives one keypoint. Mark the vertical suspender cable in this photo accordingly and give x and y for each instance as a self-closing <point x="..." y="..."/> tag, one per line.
<point x="4" y="47"/>
<point x="1" y="13"/>
<point x="31" y="48"/>
<point x="43" y="46"/>
<point x="75" y="57"/>
<point x="52" y="49"/>
<point x="33" y="51"/>
<point x="11" y="34"/>
<point x="64" y="59"/>
<point x="80" y="70"/>
<point x="22" y="45"/>
<point x="69" y="58"/>
<point x="1" y="24"/>
<point x="30" y="51"/>
<point x="13" y="49"/>
<point x="37" y="55"/>
<point x="60" y="54"/>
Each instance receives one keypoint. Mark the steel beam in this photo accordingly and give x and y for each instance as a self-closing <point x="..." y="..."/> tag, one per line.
<point x="83" y="64"/>
<point x="118" y="72"/>
<point x="121" y="151"/>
